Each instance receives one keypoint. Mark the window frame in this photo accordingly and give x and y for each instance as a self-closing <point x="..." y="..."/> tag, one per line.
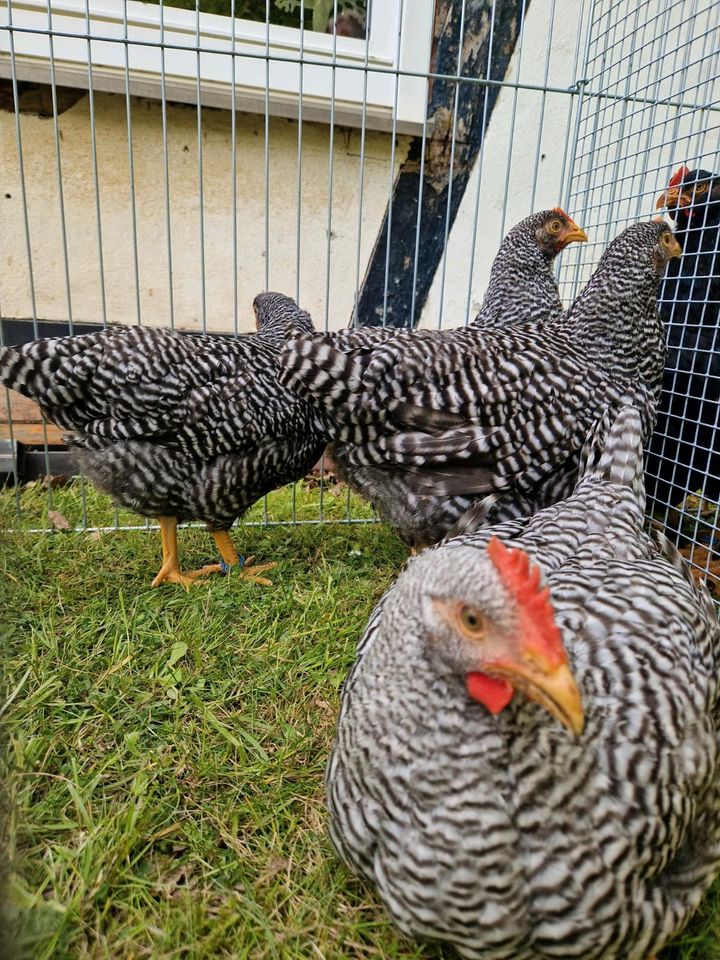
<point x="333" y="69"/>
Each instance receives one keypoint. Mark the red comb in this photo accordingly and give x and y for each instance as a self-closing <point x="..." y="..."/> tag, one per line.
<point x="561" y="212"/>
<point x="679" y="175"/>
<point x="522" y="580"/>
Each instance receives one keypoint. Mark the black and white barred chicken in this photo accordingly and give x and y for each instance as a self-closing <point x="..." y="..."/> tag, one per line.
<point x="522" y="286"/>
<point x="432" y="423"/>
<point x="684" y="453"/>
<point x="526" y="762"/>
<point x="178" y="426"/>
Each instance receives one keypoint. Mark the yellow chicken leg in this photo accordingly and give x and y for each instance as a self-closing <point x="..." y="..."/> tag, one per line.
<point x="170" y="570"/>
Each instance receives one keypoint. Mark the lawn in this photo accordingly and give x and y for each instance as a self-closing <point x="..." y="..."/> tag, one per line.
<point x="166" y="749"/>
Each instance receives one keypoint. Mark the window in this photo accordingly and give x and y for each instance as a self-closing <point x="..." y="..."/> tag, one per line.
<point x="169" y="47"/>
<point x="317" y="15"/>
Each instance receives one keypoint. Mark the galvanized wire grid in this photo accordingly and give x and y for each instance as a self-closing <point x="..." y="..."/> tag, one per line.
<point x="602" y="100"/>
<point x="662" y="59"/>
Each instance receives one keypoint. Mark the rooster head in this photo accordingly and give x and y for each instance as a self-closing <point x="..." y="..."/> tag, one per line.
<point x="690" y="193"/>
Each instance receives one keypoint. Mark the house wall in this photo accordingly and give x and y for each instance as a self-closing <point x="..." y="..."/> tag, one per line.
<point x="116" y="212"/>
<point x="505" y="170"/>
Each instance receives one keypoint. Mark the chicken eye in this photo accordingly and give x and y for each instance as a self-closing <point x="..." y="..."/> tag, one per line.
<point x="667" y="238"/>
<point x="472" y="619"/>
<point x="701" y="188"/>
<point x="555" y="226"/>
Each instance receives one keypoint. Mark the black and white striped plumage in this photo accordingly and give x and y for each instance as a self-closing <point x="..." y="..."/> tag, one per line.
<point x="195" y="427"/>
<point x="505" y="834"/>
<point x="434" y="422"/>
<point x="522" y="286"/>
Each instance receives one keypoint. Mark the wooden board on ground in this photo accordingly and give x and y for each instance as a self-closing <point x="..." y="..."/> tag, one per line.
<point x="27" y="422"/>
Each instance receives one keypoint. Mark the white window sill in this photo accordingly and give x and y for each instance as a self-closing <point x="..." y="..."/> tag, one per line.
<point x="250" y="57"/>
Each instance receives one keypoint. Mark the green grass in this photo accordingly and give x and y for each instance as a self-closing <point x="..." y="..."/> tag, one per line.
<point x="166" y="749"/>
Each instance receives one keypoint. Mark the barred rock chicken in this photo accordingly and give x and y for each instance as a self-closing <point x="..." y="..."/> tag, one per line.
<point x="684" y="454"/>
<point x="435" y="423"/>
<point x="522" y="287"/>
<point x="532" y="772"/>
<point x="178" y="426"/>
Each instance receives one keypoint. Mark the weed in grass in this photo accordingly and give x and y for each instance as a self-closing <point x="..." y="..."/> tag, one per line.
<point x="165" y="750"/>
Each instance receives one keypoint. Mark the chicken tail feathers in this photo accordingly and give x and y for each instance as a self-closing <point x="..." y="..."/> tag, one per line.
<point x="613" y="450"/>
<point x="38" y="369"/>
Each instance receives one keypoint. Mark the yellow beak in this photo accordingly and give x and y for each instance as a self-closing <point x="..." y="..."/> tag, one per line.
<point x="556" y="690"/>
<point x="573" y="234"/>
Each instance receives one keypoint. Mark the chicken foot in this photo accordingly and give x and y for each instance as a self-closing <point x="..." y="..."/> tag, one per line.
<point x="170" y="571"/>
<point x="232" y="562"/>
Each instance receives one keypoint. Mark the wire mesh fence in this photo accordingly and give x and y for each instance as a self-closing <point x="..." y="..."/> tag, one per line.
<point x="650" y="103"/>
<point x="161" y="165"/>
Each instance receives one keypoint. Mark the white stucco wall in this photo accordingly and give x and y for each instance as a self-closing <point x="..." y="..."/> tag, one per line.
<point x="45" y="225"/>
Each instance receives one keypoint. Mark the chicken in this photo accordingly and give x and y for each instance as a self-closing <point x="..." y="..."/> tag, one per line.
<point x="178" y="426"/>
<point x="684" y="454"/>
<point x="531" y="771"/>
<point x="522" y="286"/>
<point x="521" y="276"/>
<point x="434" y="423"/>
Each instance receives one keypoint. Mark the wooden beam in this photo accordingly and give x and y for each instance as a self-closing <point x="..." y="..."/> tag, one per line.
<point x="32" y="434"/>
<point x="27" y="426"/>
<point x="20" y="409"/>
<point x="430" y="196"/>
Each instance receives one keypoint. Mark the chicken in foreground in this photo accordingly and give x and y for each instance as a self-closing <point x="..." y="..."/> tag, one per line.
<point x="178" y="426"/>
<point x="526" y="761"/>
<point x="431" y="424"/>
<point x="684" y="453"/>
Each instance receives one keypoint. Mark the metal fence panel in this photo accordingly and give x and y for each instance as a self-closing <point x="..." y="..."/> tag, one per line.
<point x="600" y="102"/>
<point x="650" y="103"/>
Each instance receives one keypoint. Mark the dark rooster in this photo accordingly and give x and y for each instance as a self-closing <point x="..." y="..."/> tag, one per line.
<point x="527" y="759"/>
<point x="432" y="423"/>
<point x="684" y="453"/>
<point x="178" y="426"/>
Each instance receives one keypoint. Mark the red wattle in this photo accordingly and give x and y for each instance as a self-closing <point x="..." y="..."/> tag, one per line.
<point x="495" y="695"/>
